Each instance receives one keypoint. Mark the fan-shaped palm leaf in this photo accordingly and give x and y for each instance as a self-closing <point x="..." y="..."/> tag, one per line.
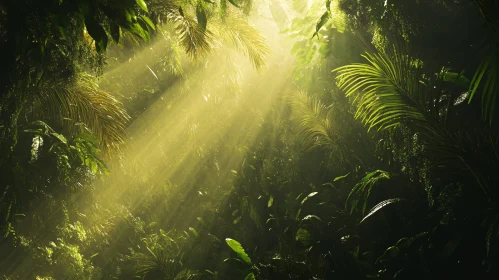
<point x="82" y="107"/>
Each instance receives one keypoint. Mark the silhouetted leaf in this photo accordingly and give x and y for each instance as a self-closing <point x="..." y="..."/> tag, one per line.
<point x="96" y="31"/>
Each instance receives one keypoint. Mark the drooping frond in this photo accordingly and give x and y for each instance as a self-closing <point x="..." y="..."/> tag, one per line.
<point x="239" y="34"/>
<point x="193" y="37"/>
<point x="485" y="82"/>
<point x="387" y="90"/>
<point x="489" y="11"/>
<point x="82" y="107"/>
<point x="378" y="207"/>
<point x="361" y="192"/>
<point x="314" y="121"/>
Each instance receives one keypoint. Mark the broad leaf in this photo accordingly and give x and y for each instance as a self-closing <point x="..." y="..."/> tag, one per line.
<point x="238" y="248"/>
<point x="250" y="276"/>
<point x="97" y="33"/>
<point x="142" y="4"/>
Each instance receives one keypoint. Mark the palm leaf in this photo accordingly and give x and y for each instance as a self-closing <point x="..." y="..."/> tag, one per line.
<point x="487" y="74"/>
<point x="239" y="34"/>
<point x="192" y="35"/>
<point x="361" y="192"/>
<point x="378" y="207"/>
<point x="485" y="81"/>
<point x="387" y="91"/>
<point x="314" y="121"/>
<point x="81" y="106"/>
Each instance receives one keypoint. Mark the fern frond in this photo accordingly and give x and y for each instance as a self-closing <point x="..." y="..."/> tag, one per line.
<point x="82" y="107"/>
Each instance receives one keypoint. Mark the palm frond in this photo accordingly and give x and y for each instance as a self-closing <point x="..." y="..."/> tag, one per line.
<point x="193" y="38"/>
<point x="487" y="74"/>
<point x="489" y="11"/>
<point x="387" y="91"/>
<point x="239" y="34"/>
<point x="485" y="80"/>
<point x="361" y="192"/>
<point x="314" y="121"/>
<point x="156" y="261"/>
<point x="82" y="107"/>
<point x="378" y="207"/>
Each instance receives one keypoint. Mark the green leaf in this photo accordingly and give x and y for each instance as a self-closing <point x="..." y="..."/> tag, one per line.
<point x="271" y="201"/>
<point x="250" y="276"/>
<point x="139" y="31"/>
<point x="324" y="18"/>
<point x="303" y="236"/>
<point x="308" y="197"/>
<point x="233" y="2"/>
<point x="238" y="248"/>
<point x="341" y="177"/>
<point x="142" y="4"/>
<point x="193" y="230"/>
<point x="149" y="22"/>
<point x="456" y="78"/>
<point x="310" y="217"/>
<point x="60" y="137"/>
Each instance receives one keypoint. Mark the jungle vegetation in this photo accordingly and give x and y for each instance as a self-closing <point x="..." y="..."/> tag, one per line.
<point x="249" y="139"/>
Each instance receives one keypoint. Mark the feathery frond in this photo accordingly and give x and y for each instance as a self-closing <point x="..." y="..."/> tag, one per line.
<point x="193" y="38"/>
<point x="239" y="34"/>
<point x="314" y="121"/>
<point x="82" y="107"/>
<point x="378" y="207"/>
<point x="388" y="91"/>
<point x="360" y="194"/>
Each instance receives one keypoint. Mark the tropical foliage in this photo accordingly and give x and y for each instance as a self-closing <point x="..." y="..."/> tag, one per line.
<point x="241" y="139"/>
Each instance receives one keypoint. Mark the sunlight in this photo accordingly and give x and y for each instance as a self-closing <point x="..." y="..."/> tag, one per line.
<point x="168" y="145"/>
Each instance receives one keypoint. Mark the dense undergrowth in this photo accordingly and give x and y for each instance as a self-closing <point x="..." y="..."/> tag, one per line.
<point x="249" y="139"/>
